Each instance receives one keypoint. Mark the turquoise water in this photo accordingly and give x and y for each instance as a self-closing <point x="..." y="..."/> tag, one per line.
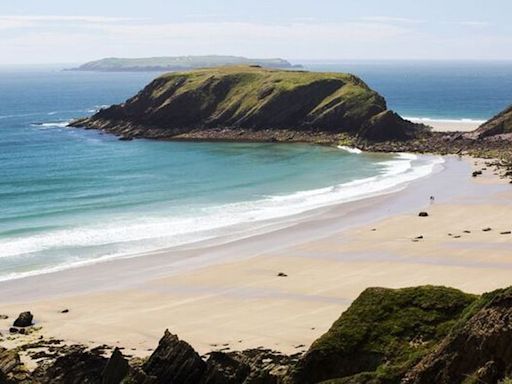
<point x="71" y="196"/>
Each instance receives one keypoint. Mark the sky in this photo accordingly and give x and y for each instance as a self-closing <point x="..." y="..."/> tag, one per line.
<point x="74" y="31"/>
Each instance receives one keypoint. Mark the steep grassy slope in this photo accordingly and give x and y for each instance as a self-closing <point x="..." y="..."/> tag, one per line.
<point x="478" y="350"/>
<point x="252" y="98"/>
<point x="498" y="125"/>
<point x="383" y="334"/>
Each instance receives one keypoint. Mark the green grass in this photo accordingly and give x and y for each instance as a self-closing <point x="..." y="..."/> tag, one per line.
<point x="252" y="87"/>
<point x="401" y="326"/>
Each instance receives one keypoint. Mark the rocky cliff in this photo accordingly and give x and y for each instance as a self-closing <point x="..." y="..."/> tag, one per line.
<point x="253" y="103"/>
<point x="499" y="125"/>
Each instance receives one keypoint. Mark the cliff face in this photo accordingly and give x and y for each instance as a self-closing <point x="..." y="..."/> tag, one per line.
<point x="252" y="102"/>
<point x="500" y="124"/>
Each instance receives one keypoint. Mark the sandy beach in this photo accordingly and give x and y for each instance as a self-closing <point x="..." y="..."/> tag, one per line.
<point x="230" y="297"/>
<point x="450" y="125"/>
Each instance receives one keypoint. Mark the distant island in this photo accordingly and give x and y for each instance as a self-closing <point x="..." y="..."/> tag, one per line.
<point x="176" y="63"/>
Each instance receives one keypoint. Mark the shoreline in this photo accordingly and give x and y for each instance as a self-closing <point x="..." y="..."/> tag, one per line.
<point x="328" y="258"/>
<point x="298" y="208"/>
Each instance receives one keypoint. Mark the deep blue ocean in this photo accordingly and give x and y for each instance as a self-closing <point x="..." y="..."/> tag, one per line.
<point x="71" y="196"/>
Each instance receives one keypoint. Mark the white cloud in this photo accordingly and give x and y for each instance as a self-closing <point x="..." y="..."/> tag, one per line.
<point x="392" y="20"/>
<point x="43" y="39"/>
<point x="236" y="31"/>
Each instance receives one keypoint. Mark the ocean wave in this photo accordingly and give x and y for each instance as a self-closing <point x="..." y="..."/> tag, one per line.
<point x="429" y="120"/>
<point x="135" y="235"/>
<point x="56" y="124"/>
<point x="350" y="149"/>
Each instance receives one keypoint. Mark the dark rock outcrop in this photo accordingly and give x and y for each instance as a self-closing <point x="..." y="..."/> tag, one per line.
<point x="249" y="103"/>
<point x="175" y="361"/>
<point x="12" y="371"/>
<point x="500" y="124"/>
<point x="24" y="320"/>
<point x="76" y="367"/>
<point x="253" y="366"/>
<point x="116" y="370"/>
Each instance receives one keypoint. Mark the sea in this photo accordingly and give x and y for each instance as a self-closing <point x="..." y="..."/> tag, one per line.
<point x="71" y="197"/>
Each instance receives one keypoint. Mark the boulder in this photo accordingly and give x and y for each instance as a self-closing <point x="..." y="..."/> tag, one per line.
<point x="24" y="320"/>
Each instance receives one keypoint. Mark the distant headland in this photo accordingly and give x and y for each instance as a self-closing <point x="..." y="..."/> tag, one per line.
<point x="176" y="63"/>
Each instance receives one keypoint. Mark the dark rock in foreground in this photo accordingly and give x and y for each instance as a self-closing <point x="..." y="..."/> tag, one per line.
<point x="116" y="370"/>
<point x="76" y="367"/>
<point x="24" y="320"/>
<point x="175" y="361"/>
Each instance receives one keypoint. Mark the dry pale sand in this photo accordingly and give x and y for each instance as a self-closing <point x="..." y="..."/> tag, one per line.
<point x="449" y="125"/>
<point x="239" y="301"/>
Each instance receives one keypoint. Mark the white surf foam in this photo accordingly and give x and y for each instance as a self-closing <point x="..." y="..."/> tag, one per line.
<point x="427" y="120"/>
<point x="135" y="235"/>
<point x="350" y="149"/>
<point x="56" y="124"/>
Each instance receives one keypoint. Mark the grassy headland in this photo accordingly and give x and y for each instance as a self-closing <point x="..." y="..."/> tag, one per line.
<point x="254" y="103"/>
